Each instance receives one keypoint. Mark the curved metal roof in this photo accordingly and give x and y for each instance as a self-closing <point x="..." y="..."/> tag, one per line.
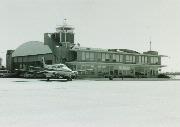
<point x="31" y="48"/>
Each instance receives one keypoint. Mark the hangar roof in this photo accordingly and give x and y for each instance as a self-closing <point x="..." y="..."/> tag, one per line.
<point x="31" y="48"/>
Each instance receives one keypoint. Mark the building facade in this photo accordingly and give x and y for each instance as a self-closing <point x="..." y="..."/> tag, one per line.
<point x="119" y="62"/>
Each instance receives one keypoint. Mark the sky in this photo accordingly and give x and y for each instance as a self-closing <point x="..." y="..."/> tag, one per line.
<point x="129" y="24"/>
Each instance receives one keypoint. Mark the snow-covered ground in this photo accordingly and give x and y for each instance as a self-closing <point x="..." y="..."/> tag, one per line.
<point x="85" y="103"/>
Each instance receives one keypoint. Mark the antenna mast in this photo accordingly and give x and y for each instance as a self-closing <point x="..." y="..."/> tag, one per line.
<point x="150" y="45"/>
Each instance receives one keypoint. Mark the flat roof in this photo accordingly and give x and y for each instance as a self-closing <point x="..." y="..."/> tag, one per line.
<point x="118" y="51"/>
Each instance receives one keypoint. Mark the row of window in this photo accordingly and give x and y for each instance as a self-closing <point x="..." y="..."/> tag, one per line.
<point x="91" y="56"/>
<point x="143" y="59"/>
<point x="154" y="60"/>
<point x="130" y="59"/>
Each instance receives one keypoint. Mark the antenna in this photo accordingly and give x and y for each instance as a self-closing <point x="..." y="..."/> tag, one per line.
<point x="150" y="44"/>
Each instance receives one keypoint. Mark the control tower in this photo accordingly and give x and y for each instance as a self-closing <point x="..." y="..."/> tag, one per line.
<point x="65" y="33"/>
<point x="60" y="42"/>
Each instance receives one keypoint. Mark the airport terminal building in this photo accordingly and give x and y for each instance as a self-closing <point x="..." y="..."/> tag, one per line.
<point x="59" y="47"/>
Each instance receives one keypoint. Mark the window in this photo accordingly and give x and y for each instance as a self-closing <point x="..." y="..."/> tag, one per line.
<point x="99" y="56"/>
<point x="60" y="66"/>
<point x="145" y="60"/>
<point x="121" y="58"/>
<point x="103" y="56"/>
<point x="53" y="67"/>
<point x="142" y="59"/>
<point x="129" y="58"/>
<point x="134" y="59"/>
<point x="83" y="56"/>
<point x="87" y="55"/>
<point x="117" y="58"/>
<point x="154" y="60"/>
<point x="91" y="56"/>
<point x="107" y="56"/>
<point x="139" y="59"/>
<point x="114" y="56"/>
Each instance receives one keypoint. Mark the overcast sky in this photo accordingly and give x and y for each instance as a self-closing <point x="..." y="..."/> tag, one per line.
<point x="98" y="23"/>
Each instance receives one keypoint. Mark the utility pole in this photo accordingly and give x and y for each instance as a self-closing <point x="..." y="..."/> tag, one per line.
<point x="150" y="45"/>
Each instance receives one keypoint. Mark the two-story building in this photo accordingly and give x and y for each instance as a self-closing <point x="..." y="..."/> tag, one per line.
<point x="99" y="62"/>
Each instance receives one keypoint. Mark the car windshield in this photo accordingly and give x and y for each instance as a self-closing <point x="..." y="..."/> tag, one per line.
<point x="60" y="66"/>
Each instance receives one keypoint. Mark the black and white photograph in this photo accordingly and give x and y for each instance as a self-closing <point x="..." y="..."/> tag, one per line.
<point x="90" y="63"/>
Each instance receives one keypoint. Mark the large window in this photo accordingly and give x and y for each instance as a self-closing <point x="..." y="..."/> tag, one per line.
<point x="154" y="60"/>
<point x="121" y="58"/>
<point x="142" y="59"/>
<point x="139" y="59"/>
<point x="83" y="56"/>
<point x="107" y="56"/>
<point x="134" y="59"/>
<point x="117" y="58"/>
<point x="114" y="57"/>
<point x="99" y="56"/>
<point x="103" y="56"/>
<point x="87" y="55"/>
<point x="129" y="58"/>
<point x="145" y="60"/>
<point x="91" y="56"/>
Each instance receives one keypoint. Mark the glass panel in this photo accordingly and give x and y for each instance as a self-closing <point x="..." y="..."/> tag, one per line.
<point x="142" y="58"/>
<point x="107" y="56"/>
<point x="103" y="56"/>
<point x="91" y="56"/>
<point x="145" y="59"/>
<point x="114" y="56"/>
<point x="121" y="58"/>
<point x="129" y="58"/>
<point x="117" y="58"/>
<point x="134" y="59"/>
<point x="152" y="60"/>
<point x="99" y="56"/>
<point x="139" y="59"/>
<point x="83" y="56"/>
<point x="155" y="60"/>
<point x="87" y="55"/>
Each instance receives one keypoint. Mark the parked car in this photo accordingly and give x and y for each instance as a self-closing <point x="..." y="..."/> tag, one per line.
<point x="28" y="75"/>
<point x="3" y="73"/>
